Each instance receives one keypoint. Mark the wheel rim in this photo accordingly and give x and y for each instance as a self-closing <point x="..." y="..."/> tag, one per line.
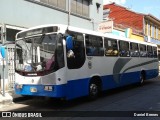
<point x="142" y="79"/>
<point x="93" y="90"/>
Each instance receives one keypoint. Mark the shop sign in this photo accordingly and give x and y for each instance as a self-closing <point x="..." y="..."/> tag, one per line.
<point x="105" y="27"/>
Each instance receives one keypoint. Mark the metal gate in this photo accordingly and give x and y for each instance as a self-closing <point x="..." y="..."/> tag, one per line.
<point x="11" y="68"/>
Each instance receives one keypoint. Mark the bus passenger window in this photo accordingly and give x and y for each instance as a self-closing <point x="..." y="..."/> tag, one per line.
<point x="155" y="52"/>
<point x="111" y="48"/>
<point x="78" y="49"/>
<point x="94" y="45"/>
<point x="143" y="52"/>
<point x="124" y="49"/>
<point x="134" y="51"/>
<point x="149" y="51"/>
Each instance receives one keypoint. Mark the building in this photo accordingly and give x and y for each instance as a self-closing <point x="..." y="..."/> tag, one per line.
<point x="124" y="18"/>
<point x="17" y="15"/>
<point x="152" y="29"/>
<point x="142" y="27"/>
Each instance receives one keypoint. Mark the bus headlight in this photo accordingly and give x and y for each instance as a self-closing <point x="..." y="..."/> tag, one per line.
<point x="48" y="88"/>
<point x="18" y="86"/>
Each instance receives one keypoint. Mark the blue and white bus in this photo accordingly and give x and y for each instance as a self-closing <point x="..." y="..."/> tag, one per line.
<point x="66" y="62"/>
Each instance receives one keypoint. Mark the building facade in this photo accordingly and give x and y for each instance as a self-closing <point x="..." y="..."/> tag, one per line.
<point x="142" y="27"/>
<point x="152" y="29"/>
<point x="123" y="18"/>
<point x="17" y="15"/>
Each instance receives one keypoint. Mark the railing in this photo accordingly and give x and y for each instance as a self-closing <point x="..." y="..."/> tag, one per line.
<point x="11" y="68"/>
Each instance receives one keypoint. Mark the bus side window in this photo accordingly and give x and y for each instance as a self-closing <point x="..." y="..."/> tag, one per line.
<point x="111" y="48"/>
<point x="94" y="46"/>
<point x="155" y="52"/>
<point x="124" y="49"/>
<point x="78" y="49"/>
<point x="143" y="52"/>
<point x="149" y="51"/>
<point x="134" y="51"/>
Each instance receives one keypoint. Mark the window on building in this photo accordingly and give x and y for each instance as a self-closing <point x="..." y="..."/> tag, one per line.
<point x="159" y="33"/>
<point x="98" y="7"/>
<point x="134" y="51"/>
<point x="148" y="29"/>
<point x="111" y="47"/>
<point x="124" y="49"/>
<point x="10" y="34"/>
<point x="57" y="3"/>
<point x="142" y="49"/>
<point x="94" y="45"/>
<point x="80" y="7"/>
<point x="155" y="31"/>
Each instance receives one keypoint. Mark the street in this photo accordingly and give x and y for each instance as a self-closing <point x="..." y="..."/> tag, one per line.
<point x="129" y="98"/>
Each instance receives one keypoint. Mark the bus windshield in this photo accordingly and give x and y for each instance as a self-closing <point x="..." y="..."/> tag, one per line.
<point x="36" y="53"/>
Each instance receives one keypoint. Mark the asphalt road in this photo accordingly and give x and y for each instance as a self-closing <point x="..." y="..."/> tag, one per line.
<point x="129" y="98"/>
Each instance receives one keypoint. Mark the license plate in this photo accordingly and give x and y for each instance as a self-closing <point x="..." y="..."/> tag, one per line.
<point x="33" y="89"/>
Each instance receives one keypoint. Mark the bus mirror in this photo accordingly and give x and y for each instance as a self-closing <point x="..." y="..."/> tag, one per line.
<point x="3" y="51"/>
<point x="69" y="42"/>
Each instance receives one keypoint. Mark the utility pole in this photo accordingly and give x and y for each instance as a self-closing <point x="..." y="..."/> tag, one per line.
<point x="3" y="59"/>
<point x="69" y="11"/>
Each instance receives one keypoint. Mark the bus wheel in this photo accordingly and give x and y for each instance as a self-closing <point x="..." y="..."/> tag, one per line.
<point x="93" y="90"/>
<point x="142" y="78"/>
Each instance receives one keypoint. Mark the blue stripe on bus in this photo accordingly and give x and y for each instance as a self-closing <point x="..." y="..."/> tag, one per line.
<point x="78" y="88"/>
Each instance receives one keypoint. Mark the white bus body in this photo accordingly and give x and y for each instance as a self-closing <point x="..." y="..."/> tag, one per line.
<point x="81" y="76"/>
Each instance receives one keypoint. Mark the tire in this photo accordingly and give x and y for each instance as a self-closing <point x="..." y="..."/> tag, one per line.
<point x="93" y="90"/>
<point x="142" y="78"/>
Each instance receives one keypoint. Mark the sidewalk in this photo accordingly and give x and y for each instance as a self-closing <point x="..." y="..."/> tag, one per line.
<point x="5" y="100"/>
<point x="9" y="98"/>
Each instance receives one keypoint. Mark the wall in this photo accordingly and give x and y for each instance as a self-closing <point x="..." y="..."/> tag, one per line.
<point x="27" y="14"/>
<point x="136" y="37"/>
<point x="122" y="33"/>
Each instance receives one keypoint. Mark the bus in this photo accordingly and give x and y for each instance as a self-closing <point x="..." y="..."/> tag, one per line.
<point x="66" y="62"/>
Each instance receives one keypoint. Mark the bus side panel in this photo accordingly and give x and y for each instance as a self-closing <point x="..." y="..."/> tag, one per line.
<point x="129" y="78"/>
<point x="77" y="88"/>
<point x="117" y="80"/>
<point x="151" y="73"/>
<point x="108" y="82"/>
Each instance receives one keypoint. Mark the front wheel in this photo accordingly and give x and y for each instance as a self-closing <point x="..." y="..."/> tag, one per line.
<point x="93" y="90"/>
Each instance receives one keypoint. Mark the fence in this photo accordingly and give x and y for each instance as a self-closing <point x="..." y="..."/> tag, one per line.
<point x="11" y="67"/>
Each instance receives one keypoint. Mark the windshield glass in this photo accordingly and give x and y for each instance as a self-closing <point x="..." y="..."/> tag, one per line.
<point x="36" y="53"/>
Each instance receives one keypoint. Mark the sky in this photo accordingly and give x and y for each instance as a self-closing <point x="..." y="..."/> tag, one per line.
<point x="142" y="6"/>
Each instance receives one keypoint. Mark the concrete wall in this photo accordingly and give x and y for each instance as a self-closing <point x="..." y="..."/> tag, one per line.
<point x="28" y="14"/>
<point x="137" y="37"/>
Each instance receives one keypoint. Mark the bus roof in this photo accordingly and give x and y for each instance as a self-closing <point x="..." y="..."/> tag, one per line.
<point x="63" y="28"/>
